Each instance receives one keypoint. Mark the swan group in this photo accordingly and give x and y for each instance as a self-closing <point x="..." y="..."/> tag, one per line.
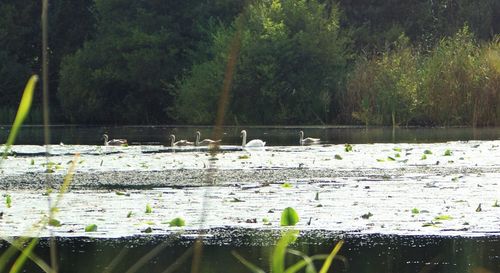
<point x="254" y="143"/>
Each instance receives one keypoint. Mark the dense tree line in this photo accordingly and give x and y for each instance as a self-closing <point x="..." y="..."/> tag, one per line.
<point x="431" y="62"/>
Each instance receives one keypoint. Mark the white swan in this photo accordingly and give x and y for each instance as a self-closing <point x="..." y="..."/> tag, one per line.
<point x="205" y="142"/>
<point x="308" y="140"/>
<point x="181" y="142"/>
<point x="252" y="143"/>
<point x="113" y="142"/>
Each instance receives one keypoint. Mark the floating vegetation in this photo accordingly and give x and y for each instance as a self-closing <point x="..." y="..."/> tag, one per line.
<point x="265" y="221"/>
<point x="390" y="158"/>
<point x="397" y="150"/>
<point x="32" y="162"/>
<point x="415" y="211"/>
<point x="380" y="160"/>
<point x="430" y="224"/>
<point x="397" y="155"/>
<point x="129" y="214"/>
<point x="443" y="218"/>
<point x="54" y="223"/>
<point x="338" y="157"/>
<point x="496" y="205"/>
<point x="348" y="147"/>
<point x="289" y="217"/>
<point x="286" y="185"/>
<point x="121" y="193"/>
<point x="147" y="230"/>
<point x="447" y="152"/>
<point x="177" y="222"/>
<point x="479" y="209"/>
<point x="243" y="157"/>
<point x="317" y="196"/>
<point x="148" y="209"/>
<point x="428" y="152"/>
<point x="51" y="166"/>
<point x="8" y="201"/>
<point x="236" y="200"/>
<point x="367" y="215"/>
<point x="424" y="157"/>
<point x="91" y="228"/>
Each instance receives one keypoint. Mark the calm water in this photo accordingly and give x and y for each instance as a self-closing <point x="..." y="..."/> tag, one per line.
<point x="274" y="136"/>
<point x="380" y="254"/>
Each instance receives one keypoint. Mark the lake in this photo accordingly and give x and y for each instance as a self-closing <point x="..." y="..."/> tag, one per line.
<point x="396" y="210"/>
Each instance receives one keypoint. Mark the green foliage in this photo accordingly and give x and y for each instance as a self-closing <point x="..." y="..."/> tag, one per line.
<point x="91" y="228"/>
<point x="348" y="147"/>
<point x="291" y="60"/>
<point x="54" y="222"/>
<point x="415" y="211"/>
<point x="148" y="209"/>
<point x="22" y="113"/>
<point x="443" y="217"/>
<point x="177" y="222"/>
<point x="289" y="217"/>
<point x="383" y="90"/>
<point x="278" y="258"/>
<point x="8" y="201"/>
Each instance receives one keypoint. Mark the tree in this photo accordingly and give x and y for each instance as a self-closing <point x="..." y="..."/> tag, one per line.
<point x="290" y="66"/>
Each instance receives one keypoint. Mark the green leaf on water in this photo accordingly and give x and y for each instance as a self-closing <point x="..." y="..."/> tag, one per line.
<point x="397" y="149"/>
<point x="54" y="223"/>
<point x="148" y="209"/>
<point x="32" y="162"/>
<point x="243" y="157"/>
<point x="390" y="159"/>
<point x="380" y="160"/>
<point x="177" y="222"/>
<point x="428" y="152"/>
<point x="447" y="152"/>
<point x="91" y="228"/>
<point x="442" y="218"/>
<point x="338" y="157"/>
<point x="289" y="217"/>
<point x="415" y="211"/>
<point x="121" y="193"/>
<point x="429" y="224"/>
<point x="424" y="157"/>
<point x="129" y="214"/>
<point x="8" y="201"/>
<point x="286" y="185"/>
<point x="397" y="155"/>
<point x="348" y="147"/>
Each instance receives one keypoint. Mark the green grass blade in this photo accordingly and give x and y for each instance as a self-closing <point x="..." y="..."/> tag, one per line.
<point x="25" y="253"/>
<point x="22" y="112"/>
<point x="279" y="253"/>
<point x="248" y="264"/>
<point x="329" y="260"/>
<point x="306" y="262"/>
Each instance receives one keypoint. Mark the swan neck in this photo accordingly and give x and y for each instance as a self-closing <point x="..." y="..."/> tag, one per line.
<point x="244" y="135"/>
